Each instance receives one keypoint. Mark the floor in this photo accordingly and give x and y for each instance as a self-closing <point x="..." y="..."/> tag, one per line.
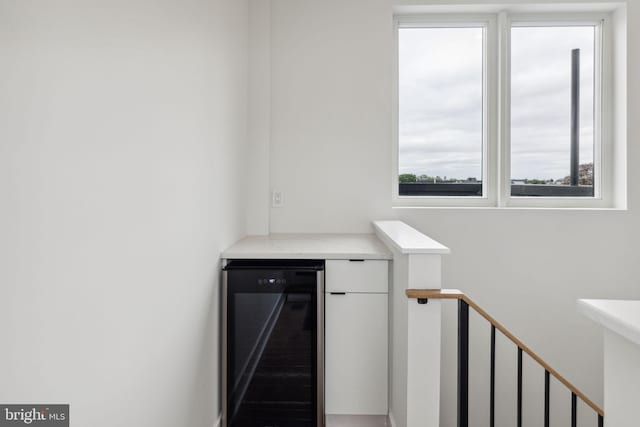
<point x="357" y="421"/>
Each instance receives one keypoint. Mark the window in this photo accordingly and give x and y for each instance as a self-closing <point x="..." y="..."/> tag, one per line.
<point x="440" y="120"/>
<point x="500" y="110"/>
<point x="552" y="110"/>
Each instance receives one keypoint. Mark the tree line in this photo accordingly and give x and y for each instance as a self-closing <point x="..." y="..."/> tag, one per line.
<point x="585" y="177"/>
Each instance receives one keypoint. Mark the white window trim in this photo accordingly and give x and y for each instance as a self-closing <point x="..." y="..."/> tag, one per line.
<point x="602" y="137"/>
<point x="489" y="99"/>
<point x="496" y="117"/>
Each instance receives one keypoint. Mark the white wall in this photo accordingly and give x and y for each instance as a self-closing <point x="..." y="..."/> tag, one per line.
<point x="256" y="166"/>
<point x="330" y="117"/>
<point x="330" y="155"/>
<point x="122" y="136"/>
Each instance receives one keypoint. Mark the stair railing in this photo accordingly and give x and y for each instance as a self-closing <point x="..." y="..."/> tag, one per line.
<point x="464" y="302"/>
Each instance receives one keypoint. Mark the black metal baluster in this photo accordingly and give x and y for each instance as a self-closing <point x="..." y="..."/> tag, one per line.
<point x="519" y="387"/>
<point x="492" y="395"/>
<point x="546" y="398"/>
<point x="463" y="378"/>
<point x="463" y="364"/>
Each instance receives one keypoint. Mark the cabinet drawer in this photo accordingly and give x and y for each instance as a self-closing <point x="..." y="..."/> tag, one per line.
<point x="357" y="276"/>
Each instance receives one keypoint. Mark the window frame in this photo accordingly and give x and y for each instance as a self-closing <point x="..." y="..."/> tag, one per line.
<point x="602" y="138"/>
<point x="496" y="164"/>
<point x="489" y="99"/>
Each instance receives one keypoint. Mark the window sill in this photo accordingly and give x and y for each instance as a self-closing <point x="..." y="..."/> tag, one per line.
<point x="512" y="208"/>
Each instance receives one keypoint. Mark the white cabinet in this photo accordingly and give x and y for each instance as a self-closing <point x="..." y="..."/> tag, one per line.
<point x="356" y="338"/>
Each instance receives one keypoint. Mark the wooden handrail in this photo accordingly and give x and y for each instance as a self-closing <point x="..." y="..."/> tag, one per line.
<point x="459" y="295"/>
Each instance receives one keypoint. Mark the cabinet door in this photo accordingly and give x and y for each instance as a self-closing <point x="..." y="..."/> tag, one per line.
<point x="356" y="354"/>
<point x="343" y="275"/>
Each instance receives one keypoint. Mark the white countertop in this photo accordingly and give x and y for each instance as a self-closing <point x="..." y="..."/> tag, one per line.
<point x="620" y="316"/>
<point x="408" y="240"/>
<point x="309" y="246"/>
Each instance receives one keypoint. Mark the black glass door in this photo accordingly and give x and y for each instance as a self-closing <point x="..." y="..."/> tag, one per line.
<point x="271" y="346"/>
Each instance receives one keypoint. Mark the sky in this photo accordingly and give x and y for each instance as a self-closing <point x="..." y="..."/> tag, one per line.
<point x="441" y="101"/>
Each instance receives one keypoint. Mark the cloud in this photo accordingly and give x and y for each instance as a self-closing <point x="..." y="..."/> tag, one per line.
<point x="441" y="100"/>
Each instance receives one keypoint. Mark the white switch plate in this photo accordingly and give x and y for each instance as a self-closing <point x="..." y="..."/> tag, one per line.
<point x="277" y="199"/>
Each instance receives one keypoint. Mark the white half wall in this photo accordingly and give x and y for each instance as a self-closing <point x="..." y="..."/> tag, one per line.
<point x="122" y="147"/>
<point x="621" y="381"/>
<point x="331" y="146"/>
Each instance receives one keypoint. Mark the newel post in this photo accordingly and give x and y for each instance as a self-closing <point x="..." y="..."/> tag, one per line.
<point x="415" y="327"/>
